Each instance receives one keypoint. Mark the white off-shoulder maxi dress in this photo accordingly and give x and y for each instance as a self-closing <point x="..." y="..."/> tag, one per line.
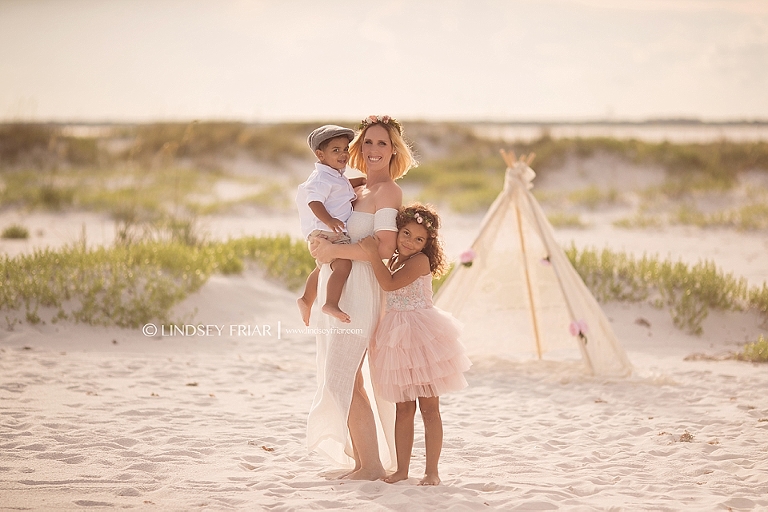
<point x="341" y="348"/>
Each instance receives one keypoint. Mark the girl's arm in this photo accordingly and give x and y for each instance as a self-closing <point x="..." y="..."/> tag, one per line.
<point x="415" y="267"/>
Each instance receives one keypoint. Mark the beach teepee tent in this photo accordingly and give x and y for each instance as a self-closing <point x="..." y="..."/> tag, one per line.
<point x="520" y="294"/>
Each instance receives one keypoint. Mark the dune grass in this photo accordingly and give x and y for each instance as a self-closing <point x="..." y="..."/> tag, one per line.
<point x="688" y="292"/>
<point x="700" y="166"/>
<point x="470" y="175"/>
<point x="566" y="220"/>
<point x="593" y="196"/>
<point x="461" y="169"/>
<point x="197" y="140"/>
<point x="748" y="217"/>
<point x="44" y="146"/>
<point x="131" y="192"/>
<point x="639" y="221"/>
<point x="15" y="232"/>
<point x="129" y="285"/>
<point x="756" y="352"/>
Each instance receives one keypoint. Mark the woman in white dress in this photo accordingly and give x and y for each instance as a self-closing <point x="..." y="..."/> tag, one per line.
<point x="341" y="423"/>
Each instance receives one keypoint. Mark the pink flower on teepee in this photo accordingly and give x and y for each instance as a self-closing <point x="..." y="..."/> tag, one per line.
<point x="578" y="328"/>
<point x="467" y="257"/>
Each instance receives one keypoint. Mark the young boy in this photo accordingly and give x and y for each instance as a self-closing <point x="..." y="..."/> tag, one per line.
<point x="325" y="203"/>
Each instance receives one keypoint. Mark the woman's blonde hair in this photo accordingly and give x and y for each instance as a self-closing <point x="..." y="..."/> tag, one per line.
<point x="402" y="157"/>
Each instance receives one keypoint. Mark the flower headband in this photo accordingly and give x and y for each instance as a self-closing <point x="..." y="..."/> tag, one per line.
<point x="422" y="219"/>
<point x="371" y="120"/>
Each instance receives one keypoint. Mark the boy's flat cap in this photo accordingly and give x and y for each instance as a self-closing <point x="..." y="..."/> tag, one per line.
<point x="326" y="132"/>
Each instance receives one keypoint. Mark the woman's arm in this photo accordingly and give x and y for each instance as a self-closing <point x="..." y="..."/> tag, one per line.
<point x="388" y="195"/>
<point x="387" y="243"/>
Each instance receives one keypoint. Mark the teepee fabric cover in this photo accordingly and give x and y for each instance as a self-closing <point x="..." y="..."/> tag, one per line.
<point x="521" y="295"/>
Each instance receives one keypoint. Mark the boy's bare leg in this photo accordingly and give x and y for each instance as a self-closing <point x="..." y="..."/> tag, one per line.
<point x="310" y="294"/>
<point x="433" y="437"/>
<point x="340" y="270"/>
<point x="403" y="440"/>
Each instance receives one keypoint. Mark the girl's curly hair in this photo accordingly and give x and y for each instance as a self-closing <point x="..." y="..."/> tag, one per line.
<point x="427" y="217"/>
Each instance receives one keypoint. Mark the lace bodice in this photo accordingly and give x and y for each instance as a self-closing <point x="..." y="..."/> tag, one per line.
<point x="417" y="295"/>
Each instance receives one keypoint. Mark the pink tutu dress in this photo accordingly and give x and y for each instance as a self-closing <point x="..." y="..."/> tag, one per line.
<point x="416" y="351"/>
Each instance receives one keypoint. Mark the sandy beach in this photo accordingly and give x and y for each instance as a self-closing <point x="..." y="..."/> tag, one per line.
<point x="106" y="418"/>
<point x="150" y="157"/>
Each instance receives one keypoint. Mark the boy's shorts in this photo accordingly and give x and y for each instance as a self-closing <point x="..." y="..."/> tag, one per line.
<point x="331" y="236"/>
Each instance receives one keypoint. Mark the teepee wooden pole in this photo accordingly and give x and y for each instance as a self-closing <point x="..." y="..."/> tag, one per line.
<point x="536" y="333"/>
<point x="550" y="251"/>
<point x="511" y="160"/>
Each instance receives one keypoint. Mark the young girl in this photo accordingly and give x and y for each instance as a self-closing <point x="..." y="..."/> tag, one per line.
<point x="415" y="353"/>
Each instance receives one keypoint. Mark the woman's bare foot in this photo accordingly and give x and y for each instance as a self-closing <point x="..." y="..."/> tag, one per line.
<point x="430" y="480"/>
<point x="396" y="477"/>
<point x="305" y="308"/>
<point x="334" y="311"/>
<point x="367" y="474"/>
<point x="346" y="475"/>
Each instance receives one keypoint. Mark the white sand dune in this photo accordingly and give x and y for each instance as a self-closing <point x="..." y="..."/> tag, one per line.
<point x="96" y="418"/>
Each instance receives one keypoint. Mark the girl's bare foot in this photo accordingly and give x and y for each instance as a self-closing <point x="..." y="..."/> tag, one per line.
<point x="305" y="308"/>
<point x="396" y="477"/>
<point x="334" y="311"/>
<point x="430" y="480"/>
<point x="367" y="474"/>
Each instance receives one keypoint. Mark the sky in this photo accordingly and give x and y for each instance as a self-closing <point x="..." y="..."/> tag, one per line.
<point x="286" y="60"/>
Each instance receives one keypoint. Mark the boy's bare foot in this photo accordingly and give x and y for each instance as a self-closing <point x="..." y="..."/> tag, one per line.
<point x="334" y="311"/>
<point x="367" y="474"/>
<point x="430" y="480"/>
<point x="305" y="308"/>
<point x="396" y="477"/>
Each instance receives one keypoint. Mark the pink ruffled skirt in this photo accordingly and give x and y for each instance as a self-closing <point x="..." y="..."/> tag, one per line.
<point x="417" y="353"/>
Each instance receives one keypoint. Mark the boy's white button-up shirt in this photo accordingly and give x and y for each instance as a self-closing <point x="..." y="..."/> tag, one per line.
<point x="330" y="187"/>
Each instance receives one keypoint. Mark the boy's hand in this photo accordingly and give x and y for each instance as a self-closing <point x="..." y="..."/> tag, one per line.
<point x="335" y="225"/>
<point x="371" y="246"/>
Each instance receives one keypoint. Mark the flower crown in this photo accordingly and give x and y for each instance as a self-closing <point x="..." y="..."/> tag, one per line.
<point x="371" y="120"/>
<point x="422" y="219"/>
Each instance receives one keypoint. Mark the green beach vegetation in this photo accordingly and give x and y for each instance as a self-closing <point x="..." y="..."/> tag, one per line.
<point x="469" y="172"/>
<point x="756" y="352"/>
<point x="156" y="179"/>
<point x="566" y="220"/>
<point x="689" y="292"/>
<point x="56" y="167"/>
<point x="128" y="285"/>
<point x="15" y="232"/>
